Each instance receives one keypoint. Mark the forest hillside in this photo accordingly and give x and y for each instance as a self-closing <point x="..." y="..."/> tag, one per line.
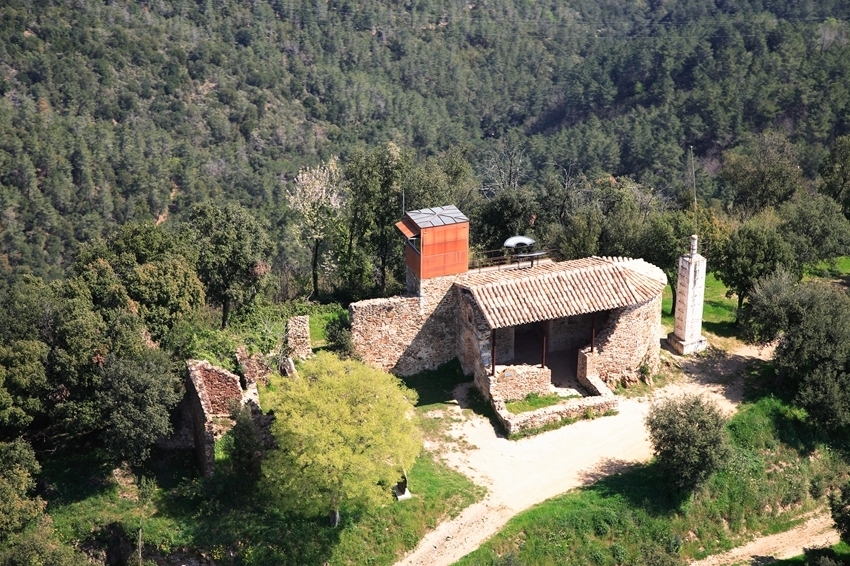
<point x="128" y="111"/>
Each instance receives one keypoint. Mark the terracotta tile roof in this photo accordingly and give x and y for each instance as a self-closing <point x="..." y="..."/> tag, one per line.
<point x="567" y="288"/>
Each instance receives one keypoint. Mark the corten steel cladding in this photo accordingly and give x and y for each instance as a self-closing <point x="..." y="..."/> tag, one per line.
<point x="445" y="250"/>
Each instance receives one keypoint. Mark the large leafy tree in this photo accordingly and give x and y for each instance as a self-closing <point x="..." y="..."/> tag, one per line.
<point x="762" y="173"/>
<point x="318" y="197"/>
<point x="376" y="179"/>
<point x="135" y="399"/>
<point x="77" y="362"/>
<point x="18" y="467"/>
<point x="835" y="174"/>
<point x="345" y="436"/>
<point x="156" y="269"/>
<point x="233" y="250"/>
<point x="816" y="229"/>
<point x="754" y="250"/>
<point x="812" y="323"/>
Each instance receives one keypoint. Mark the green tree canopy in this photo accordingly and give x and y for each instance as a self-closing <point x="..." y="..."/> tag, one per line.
<point x="816" y="229"/>
<point x="812" y="323"/>
<point x="156" y="269"/>
<point x="835" y="174"/>
<point x="763" y="173"/>
<point x="233" y="250"/>
<point x="18" y="468"/>
<point x="754" y="250"/>
<point x="689" y="439"/>
<point x="346" y="435"/>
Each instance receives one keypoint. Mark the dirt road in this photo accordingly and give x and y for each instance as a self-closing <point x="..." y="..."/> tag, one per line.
<point x="815" y="533"/>
<point x="519" y="474"/>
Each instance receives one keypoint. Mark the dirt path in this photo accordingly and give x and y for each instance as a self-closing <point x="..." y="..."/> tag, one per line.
<point x="520" y="474"/>
<point x="815" y="533"/>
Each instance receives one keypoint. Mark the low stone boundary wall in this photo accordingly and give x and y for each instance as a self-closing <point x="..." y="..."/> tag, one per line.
<point x="513" y="383"/>
<point x="572" y="409"/>
<point x="599" y="401"/>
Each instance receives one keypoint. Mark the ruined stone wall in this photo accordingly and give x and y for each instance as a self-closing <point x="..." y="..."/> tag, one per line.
<point x="513" y="383"/>
<point x="628" y="340"/>
<point x="202" y="435"/>
<point x="406" y="335"/>
<point x="296" y="340"/>
<point x="211" y="392"/>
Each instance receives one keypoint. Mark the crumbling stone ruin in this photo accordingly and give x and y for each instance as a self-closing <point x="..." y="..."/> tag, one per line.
<point x="296" y="341"/>
<point x="296" y="344"/>
<point x="594" y="321"/>
<point x="211" y="393"/>
<point x="254" y="367"/>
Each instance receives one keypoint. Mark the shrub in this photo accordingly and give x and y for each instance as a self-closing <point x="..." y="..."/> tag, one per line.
<point x="840" y="507"/>
<point x="338" y="332"/>
<point x="689" y="439"/>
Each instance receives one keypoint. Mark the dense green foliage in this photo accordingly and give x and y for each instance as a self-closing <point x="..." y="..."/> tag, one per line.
<point x="688" y="438"/>
<point x="839" y="504"/>
<point x="117" y="113"/>
<point x="813" y="354"/>
<point x="345" y="436"/>
<point x="150" y="157"/>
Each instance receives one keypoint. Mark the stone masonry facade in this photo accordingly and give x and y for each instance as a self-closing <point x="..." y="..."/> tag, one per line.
<point x="442" y="320"/>
<point x="406" y="335"/>
<point x="625" y="344"/>
<point x="513" y="383"/>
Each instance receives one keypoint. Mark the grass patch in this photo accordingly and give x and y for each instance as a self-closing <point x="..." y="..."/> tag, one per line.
<point x="840" y="552"/>
<point x="534" y="401"/>
<point x="319" y="323"/>
<point x="780" y="470"/>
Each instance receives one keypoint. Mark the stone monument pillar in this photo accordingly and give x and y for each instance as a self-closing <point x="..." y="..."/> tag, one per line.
<point x="690" y="290"/>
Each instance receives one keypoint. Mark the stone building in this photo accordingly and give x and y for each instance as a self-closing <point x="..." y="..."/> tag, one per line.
<point x="584" y="326"/>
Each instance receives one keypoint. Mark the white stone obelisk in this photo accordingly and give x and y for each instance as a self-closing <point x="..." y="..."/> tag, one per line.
<point x="687" y="336"/>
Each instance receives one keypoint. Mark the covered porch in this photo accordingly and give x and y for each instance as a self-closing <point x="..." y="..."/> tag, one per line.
<point x="552" y="344"/>
<point x="548" y="328"/>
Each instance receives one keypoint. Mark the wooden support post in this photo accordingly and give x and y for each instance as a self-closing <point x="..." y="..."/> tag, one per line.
<point x="493" y="352"/>
<point x="593" y="335"/>
<point x="543" y="353"/>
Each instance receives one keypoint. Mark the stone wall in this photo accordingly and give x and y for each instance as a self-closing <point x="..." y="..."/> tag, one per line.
<point x="627" y="341"/>
<point x="513" y="383"/>
<point x="573" y="331"/>
<point x="473" y="347"/>
<point x="296" y="340"/>
<point x="255" y="367"/>
<point x="406" y="335"/>
<point x="572" y="409"/>
<point x="505" y="344"/>
<point x="211" y="392"/>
